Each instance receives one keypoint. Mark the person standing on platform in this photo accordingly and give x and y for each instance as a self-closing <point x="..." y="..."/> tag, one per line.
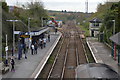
<point x="12" y="64"/>
<point x="44" y="42"/>
<point x="25" y="51"/>
<point x="41" y="43"/>
<point x="12" y="51"/>
<point x="49" y="37"/>
<point x="36" y="46"/>
<point x="55" y="30"/>
<point x="32" y="49"/>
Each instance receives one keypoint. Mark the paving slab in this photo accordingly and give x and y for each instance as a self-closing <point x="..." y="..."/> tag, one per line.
<point x="102" y="53"/>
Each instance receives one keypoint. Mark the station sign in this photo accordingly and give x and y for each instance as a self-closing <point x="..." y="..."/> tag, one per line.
<point x="37" y="33"/>
<point x="25" y="36"/>
<point x="32" y="33"/>
<point x="6" y="48"/>
<point x="16" y="32"/>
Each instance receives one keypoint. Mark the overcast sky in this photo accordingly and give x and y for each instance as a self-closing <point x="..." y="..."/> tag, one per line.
<point x="69" y="5"/>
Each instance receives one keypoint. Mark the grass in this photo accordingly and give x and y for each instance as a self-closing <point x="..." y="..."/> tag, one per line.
<point x="54" y="53"/>
<point x="88" y="52"/>
<point x="0" y="59"/>
<point x="86" y="33"/>
<point x="51" y="60"/>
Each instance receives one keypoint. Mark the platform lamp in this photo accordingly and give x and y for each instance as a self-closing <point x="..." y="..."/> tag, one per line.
<point x="29" y="31"/>
<point x="13" y="34"/>
<point x="113" y="44"/>
<point x="6" y="49"/>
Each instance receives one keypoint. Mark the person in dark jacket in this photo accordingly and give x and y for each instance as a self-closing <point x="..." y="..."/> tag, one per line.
<point x="41" y="43"/>
<point x="12" y="64"/>
<point x="49" y="37"/>
<point x="24" y="48"/>
<point x="36" y="46"/>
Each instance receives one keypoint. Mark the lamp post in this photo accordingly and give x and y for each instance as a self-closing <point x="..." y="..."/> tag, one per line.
<point x="113" y="44"/>
<point x="113" y="27"/>
<point x="42" y="21"/>
<point x="29" y="31"/>
<point x="13" y="34"/>
<point x="6" y="49"/>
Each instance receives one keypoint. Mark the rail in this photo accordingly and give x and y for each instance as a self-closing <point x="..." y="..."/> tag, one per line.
<point x="55" y="61"/>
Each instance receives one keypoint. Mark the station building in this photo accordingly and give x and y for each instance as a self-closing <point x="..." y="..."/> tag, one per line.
<point x="94" y="27"/>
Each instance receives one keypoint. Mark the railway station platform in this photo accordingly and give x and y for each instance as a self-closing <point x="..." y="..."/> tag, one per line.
<point x="102" y="53"/>
<point x="32" y="66"/>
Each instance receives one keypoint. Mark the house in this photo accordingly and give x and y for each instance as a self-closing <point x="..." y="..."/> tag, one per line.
<point x="94" y="27"/>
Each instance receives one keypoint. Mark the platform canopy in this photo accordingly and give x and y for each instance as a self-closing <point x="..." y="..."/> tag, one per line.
<point x="34" y="33"/>
<point x="116" y="38"/>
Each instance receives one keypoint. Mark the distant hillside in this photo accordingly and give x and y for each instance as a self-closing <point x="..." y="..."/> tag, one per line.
<point x="65" y="16"/>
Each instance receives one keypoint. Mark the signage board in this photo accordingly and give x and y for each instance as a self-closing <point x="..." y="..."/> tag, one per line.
<point x="25" y="36"/>
<point x="6" y="48"/>
<point x="16" y="32"/>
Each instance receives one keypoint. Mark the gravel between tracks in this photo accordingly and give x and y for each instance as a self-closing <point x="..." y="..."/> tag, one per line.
<point x="75" y="51"/>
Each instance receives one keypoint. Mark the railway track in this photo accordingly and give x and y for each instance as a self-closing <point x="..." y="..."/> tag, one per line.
<point x="70" y="54"/>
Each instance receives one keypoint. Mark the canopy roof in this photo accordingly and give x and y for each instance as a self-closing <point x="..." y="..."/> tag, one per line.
<point x="95" y="20"/>
<point x="95" y="70"/>
<point x="116" y="38"/>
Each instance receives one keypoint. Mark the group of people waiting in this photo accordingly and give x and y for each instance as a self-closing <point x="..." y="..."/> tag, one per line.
<point x="39" y="43"/>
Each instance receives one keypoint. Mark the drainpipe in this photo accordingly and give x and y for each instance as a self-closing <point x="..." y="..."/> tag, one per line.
<point x="119" y="56"/>
<point x="114" y="51"/>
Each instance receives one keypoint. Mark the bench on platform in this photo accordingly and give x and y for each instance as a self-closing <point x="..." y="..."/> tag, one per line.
<point x="3" y="68"/>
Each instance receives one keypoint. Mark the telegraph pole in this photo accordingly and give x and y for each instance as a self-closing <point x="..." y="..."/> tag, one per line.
<point x="86" y="3"/>
<point x="13" y="34"/>
<point x="6" y="49"/>
<point x="114" y="43"/>
<point x="86" y="9"/>
<point x="29" y="32"/>
<point x="13" y="38"/>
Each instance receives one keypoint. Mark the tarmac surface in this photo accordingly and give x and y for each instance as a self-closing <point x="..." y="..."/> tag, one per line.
<point x="102" y="53"/>
<point x="29" y="68"/>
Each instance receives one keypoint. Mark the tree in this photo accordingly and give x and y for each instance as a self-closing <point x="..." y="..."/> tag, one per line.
<point x="111" y="14"/>
<point x="5" y="7"/>
<point x="37" y="12"/>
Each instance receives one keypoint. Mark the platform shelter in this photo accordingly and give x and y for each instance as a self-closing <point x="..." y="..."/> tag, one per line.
<point x="116" y="39"/>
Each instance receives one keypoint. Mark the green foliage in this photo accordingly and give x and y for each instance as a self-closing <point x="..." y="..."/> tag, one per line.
<point x="4" y="6"/>
<point x="108" y="12"/>
<point x="21" y="14"/>
<point x="51" y="60"/>
<point x="36" y="11"/>
<point x="83" y="28"/>
<point x="111" y="14"/>
<point x="66" y="16"/>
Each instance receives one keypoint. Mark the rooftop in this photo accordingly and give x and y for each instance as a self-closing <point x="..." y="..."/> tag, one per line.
<point x="116" y="38"/>
<point x="95" y="20"/>
<point x="95" y="70"/>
